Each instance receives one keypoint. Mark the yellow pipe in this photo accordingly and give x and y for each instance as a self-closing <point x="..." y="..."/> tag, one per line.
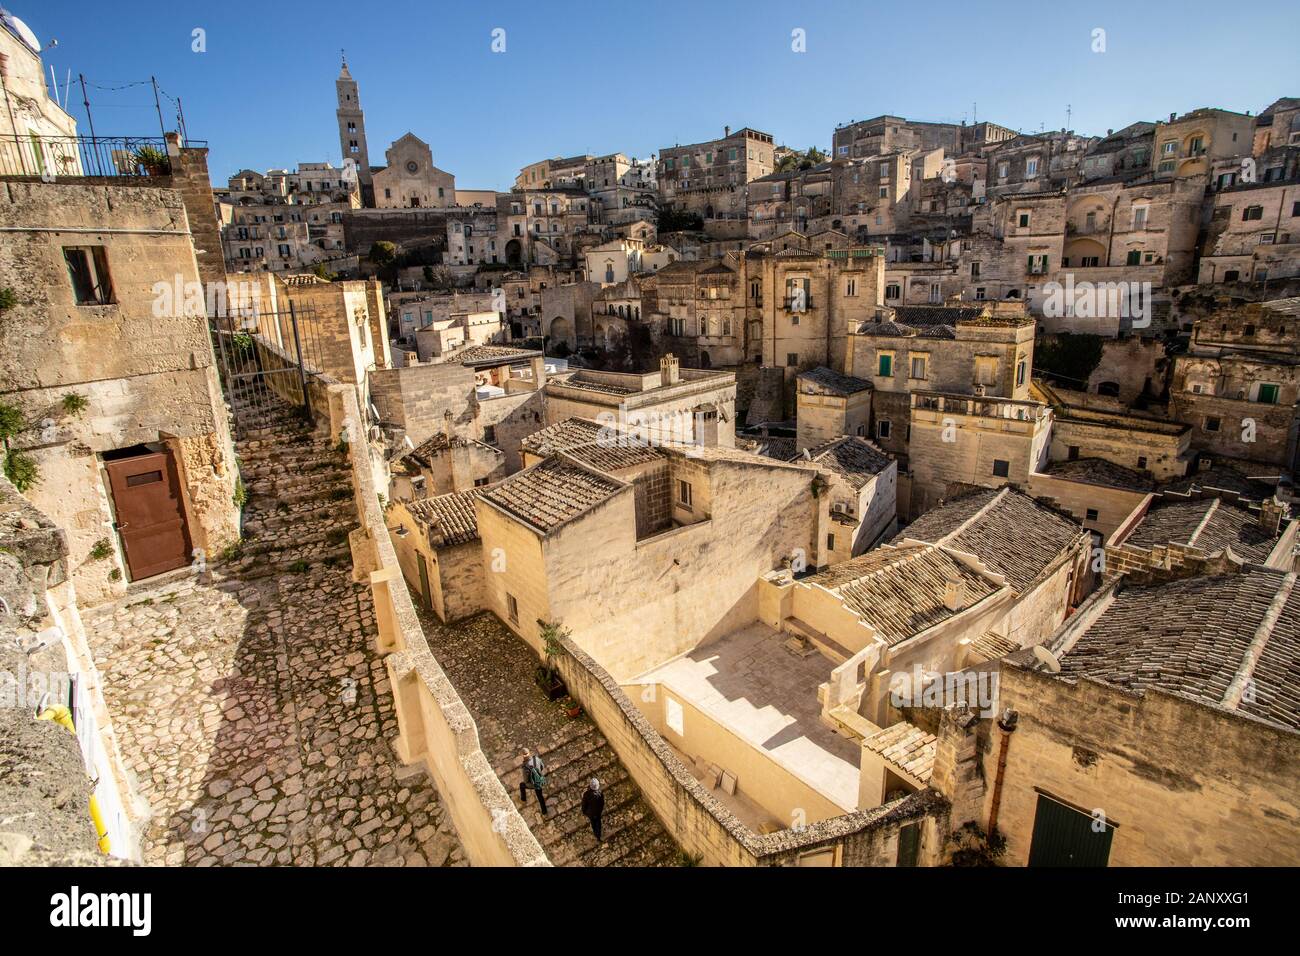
<point x="63" y="716"/>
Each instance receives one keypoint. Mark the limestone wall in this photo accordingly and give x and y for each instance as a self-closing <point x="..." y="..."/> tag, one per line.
<point x="1112" y="505"/>
<point x="1183" y="784"/>
<point x="435" y="727"/>
<point x="703" y="827"/>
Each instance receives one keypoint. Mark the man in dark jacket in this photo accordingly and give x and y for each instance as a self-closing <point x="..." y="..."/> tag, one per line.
<point x="593" y="805"/>
<point x="534" y="779"/>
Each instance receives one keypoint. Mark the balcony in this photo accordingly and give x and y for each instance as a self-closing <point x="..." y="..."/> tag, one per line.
<point x="796" y="303"/>
<point x="99" y="157"/>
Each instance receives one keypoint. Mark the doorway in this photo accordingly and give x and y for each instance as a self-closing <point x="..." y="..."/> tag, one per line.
<point x="149" y="510"/>
<point x="1064" y="836"/>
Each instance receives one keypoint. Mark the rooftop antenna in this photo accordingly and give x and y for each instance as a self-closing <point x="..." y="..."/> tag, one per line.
<point x="1068" y="113"/>
<point x="974" y="113"/>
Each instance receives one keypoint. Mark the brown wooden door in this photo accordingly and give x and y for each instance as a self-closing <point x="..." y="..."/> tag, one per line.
<point x="150" y="515"/>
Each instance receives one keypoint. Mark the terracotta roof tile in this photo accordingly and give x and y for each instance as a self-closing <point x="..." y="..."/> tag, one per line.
<point x="551" y="493"/>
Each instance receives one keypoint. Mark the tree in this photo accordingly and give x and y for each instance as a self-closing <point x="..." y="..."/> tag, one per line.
<point x="382" y="253"/>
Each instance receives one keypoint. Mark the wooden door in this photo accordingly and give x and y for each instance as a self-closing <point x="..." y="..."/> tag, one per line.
<point x="150" y="514"/>
<point x="1064" y="836"/>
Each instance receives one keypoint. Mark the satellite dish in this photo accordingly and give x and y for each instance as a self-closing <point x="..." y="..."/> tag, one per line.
<point x="1047" y="659"/>
<point x="20" y="30"/>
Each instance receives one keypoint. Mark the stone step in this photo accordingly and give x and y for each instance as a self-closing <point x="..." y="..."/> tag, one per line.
<point x="640" y="844"/>
<point x="290" y="467"/>
<point x="291" y="561"/>
<point x="329" y="535"/>
<point x="291" y="487"/>
<point x="259" y="522"/>
<point x="568" y="838"/>
<point x="583" y="740"/>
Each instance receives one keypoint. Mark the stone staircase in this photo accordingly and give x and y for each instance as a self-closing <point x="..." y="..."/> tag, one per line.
<point x="300" y="507"/>
<point x="632" y="834"/>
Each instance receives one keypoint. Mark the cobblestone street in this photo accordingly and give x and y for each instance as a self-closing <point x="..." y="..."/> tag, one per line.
<point x="254" y="711"/>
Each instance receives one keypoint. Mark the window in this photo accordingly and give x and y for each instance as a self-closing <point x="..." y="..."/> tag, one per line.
<point x="1142" y="462"/>
<point x="830" y="542"/>
<point x="1021" y="370"/>
<point x="1072" y="453"/>
<point x="1134" y="257"/>
<point x="986" y="370"/>
<point x="1031" y="167"/>
<point x="979" y="293"/>
<point x="1268" y="394"/>
<point x="792" y="358"/>
<point x="886" y="365"/>
<point x="1211" y="424"/>
<point x="1168" y="148"/>
<point x="684" y="492"/>
<point x="850" y="287"/>
<point x="88" y="270"/>
<point x="1090" y="514"/>
<point x="490" y="434"/>
<point x="1139" y="217"/>
<point x="512" y="608"/>
<point x="1252" y="212"/>
<point x="1001" y="469"/>
<point x="974" y="270"/>
<point x="918" y="366"/>
<point x="1022" y="218"/>
<point x="1038" y="264"/>
<point x="882" y="428"/>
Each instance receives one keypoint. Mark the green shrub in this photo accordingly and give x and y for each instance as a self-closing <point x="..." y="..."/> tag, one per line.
<point x="74" y="404"/>
<point x="8" y="299"/>
<point x="21" y="470"/>
<point x="100" y="550"/>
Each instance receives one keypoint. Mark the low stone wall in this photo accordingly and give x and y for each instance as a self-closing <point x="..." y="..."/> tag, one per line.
<point x="706" y="829"/>
<point x="435" y="726"/>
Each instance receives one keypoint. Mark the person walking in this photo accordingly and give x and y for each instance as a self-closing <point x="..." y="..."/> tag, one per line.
<point x="593" y="805"/>
<point x="534" y="779"/>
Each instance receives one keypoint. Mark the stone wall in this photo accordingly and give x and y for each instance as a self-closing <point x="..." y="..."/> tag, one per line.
<point x="1182" y="783"/>
<point x="706" y="829"/>
<point x="1112" y="505"/>
<point x="435" y="726"/>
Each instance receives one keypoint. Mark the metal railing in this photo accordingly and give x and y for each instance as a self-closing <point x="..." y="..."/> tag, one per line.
<point x="96" y="156"/>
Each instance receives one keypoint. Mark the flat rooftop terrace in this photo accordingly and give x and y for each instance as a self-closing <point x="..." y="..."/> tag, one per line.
<point x="750" y="683"/>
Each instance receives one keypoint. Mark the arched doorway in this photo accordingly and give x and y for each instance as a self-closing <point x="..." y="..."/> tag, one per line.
<point x="561" y="330"/>
<point x="705" y="361"/>
<point x="514" y="252"/>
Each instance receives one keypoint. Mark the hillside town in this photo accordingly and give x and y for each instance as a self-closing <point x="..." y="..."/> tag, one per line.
<point x="925" y="499"/>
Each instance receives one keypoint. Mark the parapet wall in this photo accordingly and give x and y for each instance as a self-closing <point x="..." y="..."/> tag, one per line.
<point x="435" y="726"/>
<point x="706" y="829"/>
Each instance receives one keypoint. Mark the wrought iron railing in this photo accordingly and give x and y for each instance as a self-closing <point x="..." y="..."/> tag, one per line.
<point x="50" y="157"/>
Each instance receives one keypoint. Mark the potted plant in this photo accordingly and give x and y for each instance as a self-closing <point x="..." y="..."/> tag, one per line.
<point x="153" y="160"/>
<point x="548" y="678"/>
<point x="572" y="708"/>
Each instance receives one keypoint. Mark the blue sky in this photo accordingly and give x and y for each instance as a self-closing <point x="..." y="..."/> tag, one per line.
<point x="607" y="76"/>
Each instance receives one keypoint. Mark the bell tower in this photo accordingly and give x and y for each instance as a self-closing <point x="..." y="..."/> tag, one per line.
<point x="352" y="125"/>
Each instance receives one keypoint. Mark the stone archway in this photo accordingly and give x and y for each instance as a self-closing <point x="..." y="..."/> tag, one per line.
<point x="561" y="329"/>
<point x="514" y="252"/>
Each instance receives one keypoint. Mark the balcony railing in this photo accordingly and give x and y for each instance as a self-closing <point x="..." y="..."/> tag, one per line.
<point x="87" y="156"/>
<point x="797" y="303"/>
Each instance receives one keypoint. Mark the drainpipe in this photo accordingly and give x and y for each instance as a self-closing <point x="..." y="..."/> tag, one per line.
<point x="1007" y="725"/>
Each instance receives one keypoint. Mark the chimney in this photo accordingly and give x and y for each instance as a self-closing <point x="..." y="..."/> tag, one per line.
<point x="447" y="428"/>
<point x="954" y="593"/>
<point x="1172" y="117"/>
<point x="726" y="131"/>
<point x="1271" y="513"/>
<point x="538" y="364"/>
<point x="669" y="370"/>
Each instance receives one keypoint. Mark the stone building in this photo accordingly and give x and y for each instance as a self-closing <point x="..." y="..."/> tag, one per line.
<point x="830" y="405"/>
<point x="352" y="127"/>
<point x="438" y="548"/>
<point x="709" y="178"/>
<point x="863" y="492"/>
<point x="286" y="220"/>
<point x="1188" y="145"/>
<point x="1239" y="383"/>
<point x="1141" y="730"/>
<point x="1253" y="234"/>
<point x="410" y="180"/>
<point x="124" y="417"/>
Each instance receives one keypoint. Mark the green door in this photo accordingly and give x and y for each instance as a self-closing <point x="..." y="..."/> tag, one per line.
<point x="1064" y="836"/>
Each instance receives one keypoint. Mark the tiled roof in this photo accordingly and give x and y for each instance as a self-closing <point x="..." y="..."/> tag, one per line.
<point x="833" y="381"/>
<point x="773" y="446"/>
<point x="578" y="380"/>
<point x="919" y="315"/>
<point x="908" y="747"/>
<point x="489" y="354"/>
<point x="623" y="452"/>
<point x="854" y="459"/>
<point x="1012" y="533"/>
<point x="1222" y="478"/>
<point x="1208" y="524"/>
<point x="992" y="647"/>
<point x="899" y="591"/>
<point x="1099" y="471"/>
<point x="550" y="493"/>
<point x="1197" y="636"/>
<point x="450" y="518"/>
<point x="562" y="435"/>
<point x="893" y="329"/>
